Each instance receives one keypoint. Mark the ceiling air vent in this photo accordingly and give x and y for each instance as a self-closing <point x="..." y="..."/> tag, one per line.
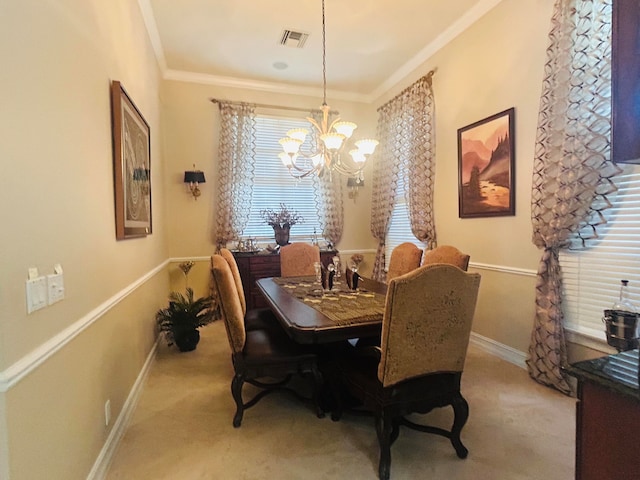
<point x="289" y="38"/>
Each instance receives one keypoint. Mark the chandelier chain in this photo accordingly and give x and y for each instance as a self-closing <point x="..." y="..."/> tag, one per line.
<point x="330" y="138"/>
<point x="324" y="59"/>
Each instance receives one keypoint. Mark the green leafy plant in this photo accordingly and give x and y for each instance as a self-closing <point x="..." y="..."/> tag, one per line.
<point x="184" y="315"/>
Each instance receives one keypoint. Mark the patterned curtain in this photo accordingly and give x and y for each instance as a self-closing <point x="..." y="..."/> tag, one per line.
<point x="572" y="172"/>
<point x="406" y="151"/>
<point x="236" y="154"/>
<point x="328" y="196"/>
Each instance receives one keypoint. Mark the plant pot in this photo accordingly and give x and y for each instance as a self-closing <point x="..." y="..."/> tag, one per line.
<point x="282" y="235"/>
<point x="186" y="340"/>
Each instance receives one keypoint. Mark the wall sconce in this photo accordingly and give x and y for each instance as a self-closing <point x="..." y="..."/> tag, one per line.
<point x="353" y="184"/>
<point x="193" y="178"/>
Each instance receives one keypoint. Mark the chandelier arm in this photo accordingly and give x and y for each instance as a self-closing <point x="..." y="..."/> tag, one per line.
<point x="333" y="123"/>
<point x="315" y="124"/>
<point x="304" y="173"/>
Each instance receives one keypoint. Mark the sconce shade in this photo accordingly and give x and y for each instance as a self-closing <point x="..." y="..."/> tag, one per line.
<point x="355" y="182"/>
<point x="194" y="177"/>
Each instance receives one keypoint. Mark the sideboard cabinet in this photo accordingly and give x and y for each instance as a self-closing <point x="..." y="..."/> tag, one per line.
<point x="607" y="417"/>
<point x="254" y="266"/>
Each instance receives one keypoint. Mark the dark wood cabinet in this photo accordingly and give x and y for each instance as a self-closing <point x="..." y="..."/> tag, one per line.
<point x="608" y="417"/>
<point x="625" y="73"/>
<point x="255" y="266"/>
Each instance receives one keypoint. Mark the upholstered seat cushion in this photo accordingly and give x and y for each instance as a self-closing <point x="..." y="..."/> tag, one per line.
<point x="268" y="347"/>
<point x="260" y="318"/>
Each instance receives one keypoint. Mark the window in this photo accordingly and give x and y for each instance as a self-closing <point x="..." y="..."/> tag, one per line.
<point x="273" y="184"/>
<point x="399" y="225"/>
<point x="591" y="278"/>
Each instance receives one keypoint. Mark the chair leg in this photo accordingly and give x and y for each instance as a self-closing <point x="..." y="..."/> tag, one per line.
<point x="384" y="430"/>
<point x="461" y="414"/>
<point x="236" y="392"/>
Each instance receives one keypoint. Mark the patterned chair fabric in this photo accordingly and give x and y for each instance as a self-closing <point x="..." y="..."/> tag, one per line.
<point x="418" y="367"/>
<point x="404" y="258"/>
<point x="255" y="318"/>
<point x="228" y="256"/>
<point x="297" y="259"/>
<point x="446" y="254"/>
<point x="260" y="353"/>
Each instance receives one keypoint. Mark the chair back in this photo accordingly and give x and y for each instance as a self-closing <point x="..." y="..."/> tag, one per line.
<point x="404" y="258"/>
<point x="297" y="259"/>
<point x="446" y="254"/>
<point x="228" y="256"/>
<point x="427" y="322"/>
<point x="229" y="303"/>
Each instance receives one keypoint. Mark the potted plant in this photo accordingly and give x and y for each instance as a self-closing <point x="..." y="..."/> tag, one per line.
<point x="181" y="319"/>
<point x="281" y="222"/>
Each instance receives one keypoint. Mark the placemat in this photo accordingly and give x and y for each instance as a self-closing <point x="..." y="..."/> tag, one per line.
<point x="342" y="305"/>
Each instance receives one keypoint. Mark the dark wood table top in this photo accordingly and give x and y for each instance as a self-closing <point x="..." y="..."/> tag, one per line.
<point x="306" y="324"/>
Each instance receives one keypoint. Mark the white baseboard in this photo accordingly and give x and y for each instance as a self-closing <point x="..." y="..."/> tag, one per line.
<point x="101" y="465"/>
<point x="500" y="350"/>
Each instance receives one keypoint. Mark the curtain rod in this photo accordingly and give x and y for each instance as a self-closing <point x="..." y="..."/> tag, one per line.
<point x="426" y="77"/>
<point x="265" y="105"/>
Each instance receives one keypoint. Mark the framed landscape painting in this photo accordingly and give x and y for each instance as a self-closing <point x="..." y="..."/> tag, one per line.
<point x="131" y="166"/>
<point x="486" y="163"/>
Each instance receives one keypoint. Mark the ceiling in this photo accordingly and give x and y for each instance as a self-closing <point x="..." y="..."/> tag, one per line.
<point x="370" y="44"/>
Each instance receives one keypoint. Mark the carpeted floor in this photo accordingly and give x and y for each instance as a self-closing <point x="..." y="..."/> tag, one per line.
<point x="182" y="429"/>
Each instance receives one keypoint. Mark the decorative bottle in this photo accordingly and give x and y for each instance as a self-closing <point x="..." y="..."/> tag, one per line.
<point x="624" y="303"/>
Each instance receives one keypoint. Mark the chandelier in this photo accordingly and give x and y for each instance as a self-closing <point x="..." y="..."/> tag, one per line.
<point x="329" y="138"/>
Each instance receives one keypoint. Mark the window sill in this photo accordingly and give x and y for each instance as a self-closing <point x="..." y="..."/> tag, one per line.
<point x="589" y="338"/>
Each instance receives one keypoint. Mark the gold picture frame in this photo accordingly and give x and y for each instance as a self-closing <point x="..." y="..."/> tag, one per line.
<point x="131" y="166"/>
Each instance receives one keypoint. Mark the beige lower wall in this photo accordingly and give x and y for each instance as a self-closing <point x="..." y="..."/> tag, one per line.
<point x="57" y="412"/>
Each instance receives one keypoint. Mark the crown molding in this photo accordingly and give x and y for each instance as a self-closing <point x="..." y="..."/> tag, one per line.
<point x="468" y="19"/>
<point x="272" y="87"/>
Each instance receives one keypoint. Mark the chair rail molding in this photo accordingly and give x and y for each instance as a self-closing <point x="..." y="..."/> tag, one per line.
<point x="27" y="364"/>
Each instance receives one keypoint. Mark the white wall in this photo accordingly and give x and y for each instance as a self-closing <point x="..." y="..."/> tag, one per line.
<point x="59" y="365"/>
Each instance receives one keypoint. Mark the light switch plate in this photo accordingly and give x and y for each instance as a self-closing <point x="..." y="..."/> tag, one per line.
<point x="55" y="286"/>
<point x="36" y="294"/>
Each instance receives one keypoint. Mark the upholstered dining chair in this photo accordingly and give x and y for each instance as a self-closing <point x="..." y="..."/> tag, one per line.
<point x="297" y="259"/>
<point x="446" y="254"/>
<point x="419" y="365"/>
<point x="256" y="317"/>
<point x="404" y="258"/>
<point x="259" y="355"/>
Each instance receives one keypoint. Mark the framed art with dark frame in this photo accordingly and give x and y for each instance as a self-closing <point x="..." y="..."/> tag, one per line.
<point x="131" y="166"/>
<point x="486" y="167"/>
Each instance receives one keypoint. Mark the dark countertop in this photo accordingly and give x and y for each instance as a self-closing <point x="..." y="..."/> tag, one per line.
<point x="617" y="372"/>
<point x="238" y="253"/>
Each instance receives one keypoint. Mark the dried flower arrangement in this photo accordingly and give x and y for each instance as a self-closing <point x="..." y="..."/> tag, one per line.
<point x="357" y="258"/>
<point x="281" y="218"/>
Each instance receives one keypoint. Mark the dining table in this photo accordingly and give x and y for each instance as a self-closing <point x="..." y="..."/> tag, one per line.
<point x="313" y="315"/>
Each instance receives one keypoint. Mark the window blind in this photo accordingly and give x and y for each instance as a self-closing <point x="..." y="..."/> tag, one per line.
<point x="273" y="184"/>
<point x="399" y="225"/>
<point x="591" y="277"/>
